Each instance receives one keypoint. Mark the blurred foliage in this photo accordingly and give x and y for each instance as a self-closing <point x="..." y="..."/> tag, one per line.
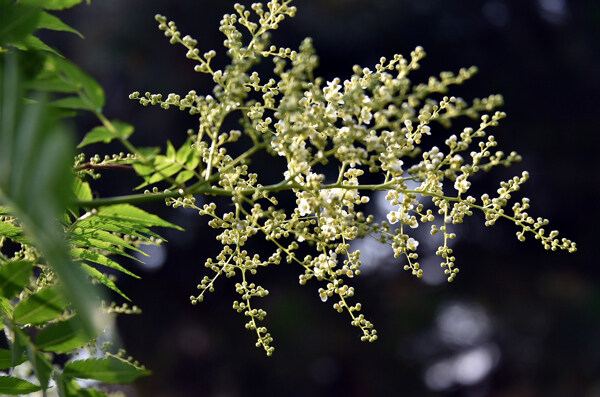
<point x="50" y="248"/>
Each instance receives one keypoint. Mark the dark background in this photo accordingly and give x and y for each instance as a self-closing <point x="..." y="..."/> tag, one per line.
<point x="518" y="321"/>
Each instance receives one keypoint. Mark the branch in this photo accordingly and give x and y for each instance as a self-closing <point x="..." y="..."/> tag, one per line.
<point x="90" y="166"/>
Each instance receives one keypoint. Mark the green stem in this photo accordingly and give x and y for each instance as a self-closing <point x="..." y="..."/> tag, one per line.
<point x="201" y="187"/>
<point x="205" y="188"/>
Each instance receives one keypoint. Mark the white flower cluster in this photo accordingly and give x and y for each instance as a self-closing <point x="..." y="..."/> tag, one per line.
<point x="373" y="126"/>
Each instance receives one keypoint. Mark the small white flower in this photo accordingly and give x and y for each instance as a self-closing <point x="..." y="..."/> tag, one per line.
<point x="329" y="229"/>
<point x="410" y="221"/>
<point x="323" y="296"/>
<point x="330" y="113"/>
<point x="344" y="130"/>
<point x="353" y="162"/>
<point x="332" y="259"/>
<point x="396" y="166"/>
<point x="330" y="196"/>
<point x="366" y="115"/>
<point x="331" y="92"/>
<point x="412" y="244"/>
<point x="462" y="184"/>
<point x="304" y="207"/>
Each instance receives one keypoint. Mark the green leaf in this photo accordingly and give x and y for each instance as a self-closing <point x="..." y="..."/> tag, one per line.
<point x="64" y="113"/>
<point x="51" y="84"/>
<point x="65" y="387"/>
<point x="49" y="79"/>
<point x="170" y="151"/>
<point x="143" y="170"/>
<point x="68" y="387"/>
<point x="62" y="337"/>
<point x="33" y="43"/>
<point x="6" y="310"/>
<point x="100" y="259"/>
<point x="17" y="22"/>
<point x="170" y="164"/>
<point x="18" y="345"/>
<point x="96" y="274"/>
<point x="5" y="307"/>
<point x="13" y="232"/>
<point x="184" y="176"/>
<point x="165" y="170"/>
<point x="102" y="134"/>
<point x="42" y="367"/>
<point x="16" y="387"/>
<point x="6" y="359"/>
<point x="149" y="151"/>
<point x="114" y="225"/>
<point x="14" y="276"/>
<point x="51" y="22"/>
<point x="40" y="363"/>
<point x="52" y="4"/>
<point x="88" y="237"/>
<point x="9" y="230"/>
<point x="109" y="370"/>
<point x="85" y="242"/>
<point x="134" y="215"/>
<point x="44" y="305"/>
<point x="89" y="89"/>
<point x="90" y="393"/>
<point x="82" y="189"/>
<point x="73" y="102"/>
<point x="184" y="152"/>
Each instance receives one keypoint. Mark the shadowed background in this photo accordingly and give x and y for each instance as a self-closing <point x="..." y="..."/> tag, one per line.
<point x="517" y="321"/>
